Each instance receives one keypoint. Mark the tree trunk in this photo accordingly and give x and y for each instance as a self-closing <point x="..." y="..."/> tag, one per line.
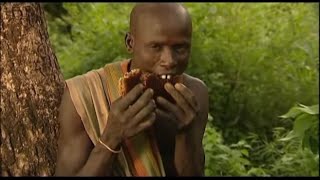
<point x="31" y="89"/>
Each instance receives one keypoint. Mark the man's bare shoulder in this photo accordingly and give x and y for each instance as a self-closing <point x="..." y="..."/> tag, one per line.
<point x="200" y="90"/>
<point x="194" y="83"/>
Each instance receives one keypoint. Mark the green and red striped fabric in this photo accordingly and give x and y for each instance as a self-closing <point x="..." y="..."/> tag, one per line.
<point x="141" y="153"/>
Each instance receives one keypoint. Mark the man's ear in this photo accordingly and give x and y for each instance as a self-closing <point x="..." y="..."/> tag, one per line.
<point x="129" y="42"/>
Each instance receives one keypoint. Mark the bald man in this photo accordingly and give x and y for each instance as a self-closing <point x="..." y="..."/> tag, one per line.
<point x="159" y="42"/>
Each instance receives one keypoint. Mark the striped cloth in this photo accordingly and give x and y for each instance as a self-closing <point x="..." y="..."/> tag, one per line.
<point x="92" y="95"/>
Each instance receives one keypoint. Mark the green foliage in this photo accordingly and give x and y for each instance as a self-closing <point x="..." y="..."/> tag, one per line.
<point x="306" y="126"/>
<point x="282" y="158"/>
<point x="257" y="155"/>
<point x="258" y="59"/>
<point x="300" y="163"/>
<point x="220" y="156"/>
<point x="96" y="36"/>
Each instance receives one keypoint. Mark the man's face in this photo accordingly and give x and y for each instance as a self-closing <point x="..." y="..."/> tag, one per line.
<point x="162" y="45"/>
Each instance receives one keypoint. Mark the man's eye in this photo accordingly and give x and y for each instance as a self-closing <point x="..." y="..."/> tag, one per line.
<point x="155" y="47"/>
<point x="180" y="49"/>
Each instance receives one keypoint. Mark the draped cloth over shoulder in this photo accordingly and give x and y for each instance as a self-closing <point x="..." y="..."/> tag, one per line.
<point x="92" y="95"/>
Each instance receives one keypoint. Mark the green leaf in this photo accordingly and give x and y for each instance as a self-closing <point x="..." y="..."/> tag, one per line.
<point x="314" y="145"/>
<point x="291" y="135"/>
<point x="296" y="111"/>
<point x="293" y="113"/>
<point x="245" y="152"/>
<point x="301" y="124"/>
<point x="221" y="157"/>
<point x="257" y="172"/>
<point x="309" y="109"/>
<point x="210" y="118"/>
<point x="306" y="141"/>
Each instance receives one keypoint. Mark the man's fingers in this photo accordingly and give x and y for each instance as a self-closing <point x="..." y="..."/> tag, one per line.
<point x="147" y="123"/>
<point x="144" y="112"/>
<point x="188" y="94"/>
<point x="177" y="97"/>
<point x="168" y="106"/>
<point x="162" y="115"/>
<point x="128" y="99"/>
<point x="139" y="104"/>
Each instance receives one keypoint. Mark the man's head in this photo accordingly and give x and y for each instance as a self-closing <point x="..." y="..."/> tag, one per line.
<point x="160" y="37"/>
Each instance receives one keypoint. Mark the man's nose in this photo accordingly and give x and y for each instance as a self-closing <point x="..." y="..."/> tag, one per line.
<point x="167" y="59"/>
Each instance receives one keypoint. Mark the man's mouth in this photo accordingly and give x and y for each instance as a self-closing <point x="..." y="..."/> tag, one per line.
<point x="165" y="76"/>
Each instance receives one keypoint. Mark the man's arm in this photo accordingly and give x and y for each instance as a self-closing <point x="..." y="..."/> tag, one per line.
<point x="76" y="153"/>
<point x="189" y="153"/>
<point x="190" y="113"/>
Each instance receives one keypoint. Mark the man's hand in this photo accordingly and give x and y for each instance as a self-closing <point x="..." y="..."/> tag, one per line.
<point x="191" y="121"/>
<point x="184" y="111"/>
<point x="129" y="115"/>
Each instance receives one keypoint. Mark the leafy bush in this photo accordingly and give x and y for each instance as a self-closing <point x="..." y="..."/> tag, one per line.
<point x="306" y="126"/>
<point x="258" y="59"/>
<point x="286" y="154"/>
<point x="220" y="156"/>
<point x="96" y="36"/>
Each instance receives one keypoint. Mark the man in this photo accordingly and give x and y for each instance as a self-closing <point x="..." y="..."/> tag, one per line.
<point x="104" y="134"/>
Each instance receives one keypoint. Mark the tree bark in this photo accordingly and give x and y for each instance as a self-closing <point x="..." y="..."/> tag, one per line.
<point x="31" y="90"/>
